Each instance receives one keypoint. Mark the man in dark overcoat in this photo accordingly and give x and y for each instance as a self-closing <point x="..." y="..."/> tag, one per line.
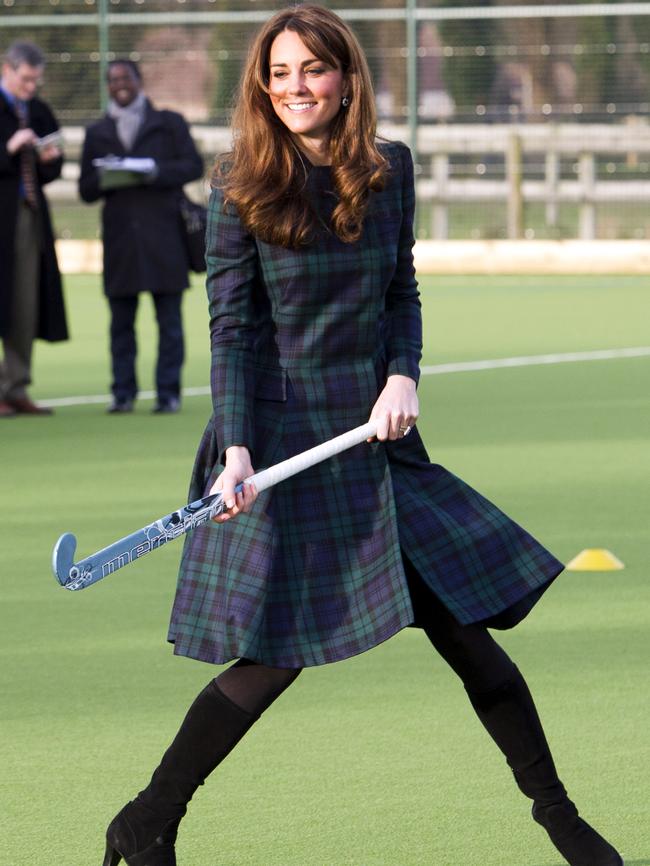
<point x="31" y="298"/>
<point x="144" y="248"/>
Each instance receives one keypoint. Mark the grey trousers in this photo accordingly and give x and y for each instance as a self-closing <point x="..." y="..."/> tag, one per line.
<point x="16" y="368"/>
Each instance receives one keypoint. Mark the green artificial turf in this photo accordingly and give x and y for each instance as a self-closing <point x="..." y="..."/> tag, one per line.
<point x="376" y="761"/>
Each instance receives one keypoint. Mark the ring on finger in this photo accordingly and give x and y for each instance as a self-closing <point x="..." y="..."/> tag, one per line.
<point x="405" y="430"/>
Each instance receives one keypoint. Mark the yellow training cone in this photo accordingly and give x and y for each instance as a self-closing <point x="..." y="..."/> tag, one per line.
<point x="595" y="559"/>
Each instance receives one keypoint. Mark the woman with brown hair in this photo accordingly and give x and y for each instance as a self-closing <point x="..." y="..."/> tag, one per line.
<point x="315" y="325"/>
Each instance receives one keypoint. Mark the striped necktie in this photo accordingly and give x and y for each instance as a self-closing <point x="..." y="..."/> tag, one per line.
<point x="27" y="161"/>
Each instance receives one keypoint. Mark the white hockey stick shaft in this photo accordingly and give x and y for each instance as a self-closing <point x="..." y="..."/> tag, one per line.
<point x="274" y="474"/>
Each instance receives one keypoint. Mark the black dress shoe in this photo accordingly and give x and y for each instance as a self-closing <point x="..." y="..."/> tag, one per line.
<point x="167" y="407"/>
<point x="25" y="406"/>
<point x="118" y="407"/>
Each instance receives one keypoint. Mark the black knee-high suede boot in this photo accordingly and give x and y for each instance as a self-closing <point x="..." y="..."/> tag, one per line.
<point x="508" y="714"/>
<point x="143" y="833"/>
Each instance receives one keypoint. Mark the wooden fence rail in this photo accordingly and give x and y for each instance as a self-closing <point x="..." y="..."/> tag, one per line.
<point x="510" y="149"/>
<point x="543" y="146"/>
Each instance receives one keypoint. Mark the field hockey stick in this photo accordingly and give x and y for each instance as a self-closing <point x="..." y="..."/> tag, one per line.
<point x="78" y="575"/>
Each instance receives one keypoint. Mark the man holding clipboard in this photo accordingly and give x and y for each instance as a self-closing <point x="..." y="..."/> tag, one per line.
<point x="137" y="159"/>
<point x="31" y="298"/>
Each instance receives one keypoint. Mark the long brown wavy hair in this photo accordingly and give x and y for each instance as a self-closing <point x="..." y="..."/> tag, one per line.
<point x="264" y="175"/>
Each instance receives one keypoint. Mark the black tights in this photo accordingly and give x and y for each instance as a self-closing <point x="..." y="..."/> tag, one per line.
<point x="470" y="651"/>
<point x="253" y="686"/>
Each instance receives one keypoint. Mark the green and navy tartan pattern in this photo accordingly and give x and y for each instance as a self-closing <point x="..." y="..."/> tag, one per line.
<point x="302" y="342"/>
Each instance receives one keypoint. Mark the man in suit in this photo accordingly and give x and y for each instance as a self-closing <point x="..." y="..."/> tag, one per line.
<point x="31" y="299"/>
<point x="144" y="248"/>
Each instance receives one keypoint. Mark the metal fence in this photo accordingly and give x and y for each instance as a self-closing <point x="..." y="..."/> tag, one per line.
<point x="451" y="79"/>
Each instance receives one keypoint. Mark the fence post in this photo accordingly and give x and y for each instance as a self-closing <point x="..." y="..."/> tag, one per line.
<point x="587" y="177"/>
<point x="515" y="204"/>
<point x="412" y="86"/>
<point x="440" y="222"/>
<point x="552" y="176"/>
<point x="102" y="28"/>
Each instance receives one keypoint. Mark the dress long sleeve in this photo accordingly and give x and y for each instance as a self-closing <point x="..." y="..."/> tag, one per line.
<point x="403" y="308"/>
<point x="232" y="286"/>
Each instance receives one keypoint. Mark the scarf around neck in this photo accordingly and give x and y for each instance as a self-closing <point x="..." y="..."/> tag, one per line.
<point x="128" y="118"/>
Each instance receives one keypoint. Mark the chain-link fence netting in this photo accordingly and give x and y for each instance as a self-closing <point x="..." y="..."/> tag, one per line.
<point x="526" y="121"/>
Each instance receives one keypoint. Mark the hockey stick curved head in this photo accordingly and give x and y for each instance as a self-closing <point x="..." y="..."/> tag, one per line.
<point x="63" y="558"/>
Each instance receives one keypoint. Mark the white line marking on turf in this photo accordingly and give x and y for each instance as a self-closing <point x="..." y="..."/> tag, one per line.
<point x="432" y="370"/>
<point x="201" y="391"/>
<point x="535" y="360"/>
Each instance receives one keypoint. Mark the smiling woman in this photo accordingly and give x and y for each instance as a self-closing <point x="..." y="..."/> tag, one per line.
<point x="305" y="99"/>
<point x="306" y="94"/>
<point x="315" y="328"/>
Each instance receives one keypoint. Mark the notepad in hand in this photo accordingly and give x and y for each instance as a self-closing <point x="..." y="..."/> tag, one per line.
<point x="116" y="172"/>
<point x="54" y="139"/>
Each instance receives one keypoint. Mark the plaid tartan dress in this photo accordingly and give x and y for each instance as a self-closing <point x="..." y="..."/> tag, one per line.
<point x="302" y="342"/>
